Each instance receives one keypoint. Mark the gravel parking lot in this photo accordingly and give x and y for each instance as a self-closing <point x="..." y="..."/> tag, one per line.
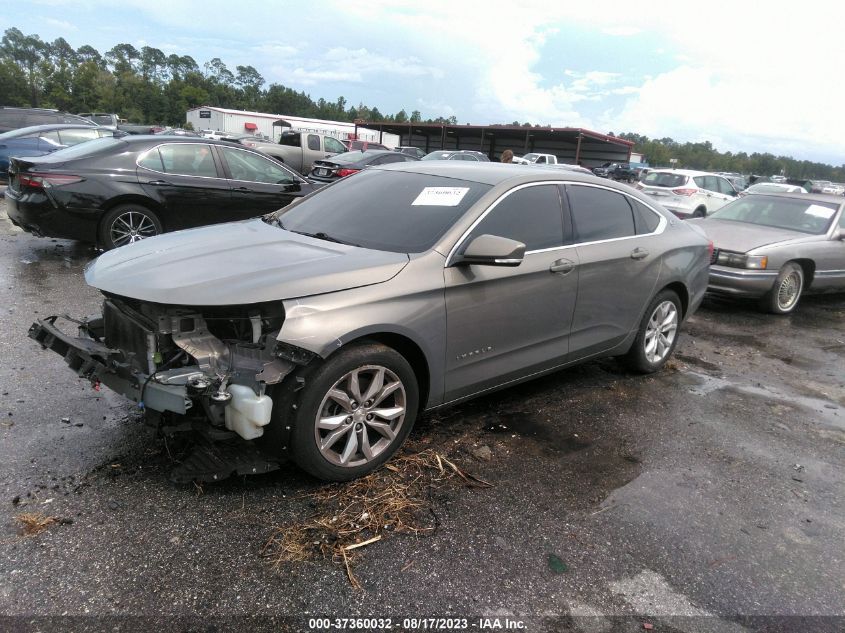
<point x="707" y="497"/>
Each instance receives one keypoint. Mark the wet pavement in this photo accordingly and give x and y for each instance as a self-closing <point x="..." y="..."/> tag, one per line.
<point x="708" y="497"/>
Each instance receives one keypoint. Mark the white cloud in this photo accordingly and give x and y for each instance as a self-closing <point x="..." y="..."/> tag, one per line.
<point x="312" y="77"/>
<point x="276" y="49"/>
<point x="621" y="31"/>
<point x="61" y="24"/>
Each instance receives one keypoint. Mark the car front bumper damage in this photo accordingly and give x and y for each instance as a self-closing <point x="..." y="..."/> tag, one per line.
<point x="222" y="380"/>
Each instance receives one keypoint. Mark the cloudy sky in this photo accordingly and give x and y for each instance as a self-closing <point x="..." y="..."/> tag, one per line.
<point x="746" y="76"/>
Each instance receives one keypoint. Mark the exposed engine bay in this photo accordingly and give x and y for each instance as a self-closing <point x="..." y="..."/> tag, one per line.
<point x="214" y="361"/>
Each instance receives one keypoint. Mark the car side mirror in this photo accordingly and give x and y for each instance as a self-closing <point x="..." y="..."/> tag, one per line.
<point x="492" y="250"/>
<point x="839" y="234"/>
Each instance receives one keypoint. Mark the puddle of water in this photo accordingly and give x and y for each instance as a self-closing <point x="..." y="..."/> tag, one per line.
<point x="827" y="410"/>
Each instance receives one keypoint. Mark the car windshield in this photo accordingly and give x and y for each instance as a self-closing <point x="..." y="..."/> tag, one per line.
<point x="531" y="157"/>
<point x="664" y="179"/>
<point x="386" y="210"/>
<point x="804" y="216"/>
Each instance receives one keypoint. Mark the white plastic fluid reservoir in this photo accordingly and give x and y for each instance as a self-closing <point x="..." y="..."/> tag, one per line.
<point x="247" y="413"/>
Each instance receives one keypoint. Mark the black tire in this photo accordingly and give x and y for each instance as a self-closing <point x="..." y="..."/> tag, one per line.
<point x="127" y="223"/>
<point x="362" y="420"/>
<point x="651" y="349"/>
<point x="700" y="212"/>
<point x="786" y="292"/>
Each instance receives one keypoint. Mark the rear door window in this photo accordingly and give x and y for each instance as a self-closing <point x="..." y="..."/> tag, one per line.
<point x="314" y="142"/>
<point x="599" y="214"/>
<point x="188" y="159"/>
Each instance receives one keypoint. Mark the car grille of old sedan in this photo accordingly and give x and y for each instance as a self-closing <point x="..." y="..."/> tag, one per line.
<point x="714" y="257"/>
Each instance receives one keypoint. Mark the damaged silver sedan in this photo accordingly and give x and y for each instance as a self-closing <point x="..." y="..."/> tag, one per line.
<point x="323" y="330"/>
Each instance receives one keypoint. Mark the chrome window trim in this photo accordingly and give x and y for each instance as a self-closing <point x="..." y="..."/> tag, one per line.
<point x="661" y="225"/>
<point x="493" y="205"/>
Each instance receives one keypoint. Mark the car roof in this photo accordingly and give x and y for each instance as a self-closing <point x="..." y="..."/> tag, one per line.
<point x="815" y="197"/>
<point x="23" y="131"/>
<point x="494" y="173"/>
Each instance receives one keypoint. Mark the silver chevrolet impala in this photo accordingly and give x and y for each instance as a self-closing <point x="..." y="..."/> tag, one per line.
<point x="323" y="330"/>
<point x="776" y="247"/>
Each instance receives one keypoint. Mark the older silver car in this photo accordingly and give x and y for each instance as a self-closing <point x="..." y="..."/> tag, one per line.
<point x="324" y="329"/>
<point x="775" y="247"/>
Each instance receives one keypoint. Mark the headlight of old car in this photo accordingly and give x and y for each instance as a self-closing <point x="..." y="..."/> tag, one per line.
<point x="740" y="260"/>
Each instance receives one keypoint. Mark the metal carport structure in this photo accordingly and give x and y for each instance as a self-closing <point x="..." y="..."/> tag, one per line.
<point x="570" y="145"/>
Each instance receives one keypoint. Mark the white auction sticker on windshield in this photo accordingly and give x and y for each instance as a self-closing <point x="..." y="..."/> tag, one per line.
<point x="820" y="212"/>
<point x="440" y="196"/>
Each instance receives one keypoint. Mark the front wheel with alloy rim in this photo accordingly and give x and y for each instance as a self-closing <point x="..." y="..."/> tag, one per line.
<point x="784" y="295"/>
<point x="128" y="223"/>
<point x="355" y="411"/>
<point x="657" y="334"/>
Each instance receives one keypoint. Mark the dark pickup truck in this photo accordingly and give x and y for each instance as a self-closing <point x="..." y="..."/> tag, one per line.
<point x="617" y="171"/>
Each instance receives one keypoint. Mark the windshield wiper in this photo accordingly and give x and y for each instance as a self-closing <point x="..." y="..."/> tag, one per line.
<point x="324" y="236"/>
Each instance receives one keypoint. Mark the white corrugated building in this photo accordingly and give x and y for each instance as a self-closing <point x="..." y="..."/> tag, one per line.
<point x="262" y="123"/>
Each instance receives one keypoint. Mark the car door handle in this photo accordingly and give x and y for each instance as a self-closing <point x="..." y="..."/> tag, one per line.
<point x="158" y="182"/>
<point x="242" y="189"/>
<point x="639" y="253"/>
<point x="562" y="266"/>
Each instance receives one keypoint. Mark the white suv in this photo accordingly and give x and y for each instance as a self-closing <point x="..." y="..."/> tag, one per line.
<point x="688" y="193"/>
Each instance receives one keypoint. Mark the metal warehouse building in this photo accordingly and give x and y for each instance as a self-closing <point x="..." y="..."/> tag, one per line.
<point x="570" y="145"/>
<point x="262" y="123"/>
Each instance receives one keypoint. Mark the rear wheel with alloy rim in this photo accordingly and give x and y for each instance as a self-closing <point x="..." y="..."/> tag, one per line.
<point x="657" y="335"/>
<point x="356" y="410"/>
<point x="784" y="295"/>
<point x="128" y="223"/>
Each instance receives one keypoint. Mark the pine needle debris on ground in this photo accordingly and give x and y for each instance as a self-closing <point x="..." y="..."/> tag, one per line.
<point x="33" y="523"/>
<point x="351" y="516"/>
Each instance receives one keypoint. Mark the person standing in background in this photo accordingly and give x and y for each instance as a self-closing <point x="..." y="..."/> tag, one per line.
<point x="507" y="156"/>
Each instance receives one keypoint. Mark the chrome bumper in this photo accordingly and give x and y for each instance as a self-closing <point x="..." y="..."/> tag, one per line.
<point x="740" y="283"/>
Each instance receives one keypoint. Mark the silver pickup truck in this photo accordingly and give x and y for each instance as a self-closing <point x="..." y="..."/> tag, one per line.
<point x="298" y="150"/>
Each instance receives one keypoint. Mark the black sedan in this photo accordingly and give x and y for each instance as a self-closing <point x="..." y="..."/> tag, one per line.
<point x="348" y="163"/>
<point x="112" y="191"/>
<point x="38" y="140"/>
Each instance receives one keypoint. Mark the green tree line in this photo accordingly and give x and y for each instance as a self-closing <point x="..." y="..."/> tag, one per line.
<point x="703" y="156"/>
<point x="150" y="87"/>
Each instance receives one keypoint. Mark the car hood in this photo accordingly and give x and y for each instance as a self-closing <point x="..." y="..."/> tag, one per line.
<point x="741" y="237"/>
<point x="237" y="263"/>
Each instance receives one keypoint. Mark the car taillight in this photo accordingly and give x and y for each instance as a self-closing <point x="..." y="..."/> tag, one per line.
<point x="684" y="192"/>
<point x="40" y="181"/>
<point x="347" y="172"/>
